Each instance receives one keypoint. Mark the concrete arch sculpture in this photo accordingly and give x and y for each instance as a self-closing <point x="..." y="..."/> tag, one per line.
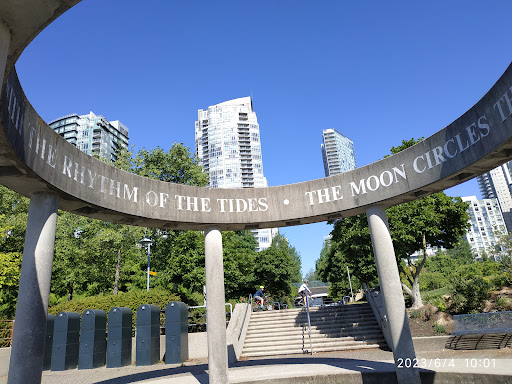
<point x="38" y="163"/>
<point x="33" y="157"/>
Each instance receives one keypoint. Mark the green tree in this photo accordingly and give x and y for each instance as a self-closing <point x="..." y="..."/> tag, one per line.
<point x="13" y="224"/>
<point x="350" y="245"/>
<point x="436" y="220"/>
<point x="282" y="243"/>
<point x="239" y="263"/>
<point x="178" y="165"/>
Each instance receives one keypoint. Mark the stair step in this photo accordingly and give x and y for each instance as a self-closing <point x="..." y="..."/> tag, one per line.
<point x="320" y="349"/>
<point x="281" y="332"/>
<point x="326" y="328"/>
<point x="305" y="342"/>
<point x="301" y="322"/>
<point x="314" y="332"/>
<point x="315" y="340"/>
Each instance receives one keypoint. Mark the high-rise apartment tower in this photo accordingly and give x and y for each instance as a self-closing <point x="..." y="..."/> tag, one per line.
<point x="337" y="152"/>
<point x="487" y="224"/>
<point x="227" y="137"/>
<point x="496" y="184"/>
<point x="92" y="134"/>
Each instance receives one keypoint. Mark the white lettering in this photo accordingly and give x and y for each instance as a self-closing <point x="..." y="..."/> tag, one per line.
<point x="415" y="164"/>
<point x="390" y="178"/>
<point x="115" y="186"/>
<point x="127" y="195"/>
<point x="181" y="199"/>
<point x="163" y="199"/>
<point x="50" y="160"/>
<point x="446" y="152"/>
<point x="369" y="185"/>
<point x="205" y="204"/>
<point x="484" y="128"/>
<point x="263" y="204"/>
<point x="67" y="166"/>
<point x="152" y="198"/>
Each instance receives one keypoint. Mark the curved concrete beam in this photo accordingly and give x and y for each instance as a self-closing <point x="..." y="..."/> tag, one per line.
<point x="34" y="158"/>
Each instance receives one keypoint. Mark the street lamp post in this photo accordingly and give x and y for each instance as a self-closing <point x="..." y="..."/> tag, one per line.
<point x="147" y="241"/>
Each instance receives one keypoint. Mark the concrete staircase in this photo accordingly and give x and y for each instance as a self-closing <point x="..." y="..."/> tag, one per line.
<point x="285" y="332"/>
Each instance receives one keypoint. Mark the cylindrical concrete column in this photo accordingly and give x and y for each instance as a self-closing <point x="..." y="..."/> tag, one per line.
<point x="27" y="350"/>
<point x="215" y="309"/>
<point x="5" y="39"/>
<point x="389" y="278"/>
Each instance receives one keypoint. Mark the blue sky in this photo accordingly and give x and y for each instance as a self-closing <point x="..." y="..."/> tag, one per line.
<point x="378" y="72"/>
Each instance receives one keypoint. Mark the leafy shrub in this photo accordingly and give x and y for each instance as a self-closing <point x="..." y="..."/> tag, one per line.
<point x="438" y="329"/>
<point x="438" y="302"/>
<point x="433" y="280"/>
<point x="502" y="280"/>
<point x="427" y="314"/>
<point x="415" y="314"/>
<point x="501" y="303"/>
<point x="469" y="294"/>
<point x="132" y="300"/>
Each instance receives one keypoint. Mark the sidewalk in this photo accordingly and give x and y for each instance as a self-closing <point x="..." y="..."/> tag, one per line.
<point x="371" y="366"/>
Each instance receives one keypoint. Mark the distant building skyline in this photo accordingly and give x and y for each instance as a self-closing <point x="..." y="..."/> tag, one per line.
<point x="228" y="146"/>
<point x="92" y="134"/>
<point x="337" y="152"/>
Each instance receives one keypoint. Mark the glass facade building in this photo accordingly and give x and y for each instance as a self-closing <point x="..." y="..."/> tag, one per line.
<point x="227" y="139"/>
<point x="487" y="224"/>
<point x="337" y="152"/>
<point x="92" y="134"/>
<point x="496" y="184"/>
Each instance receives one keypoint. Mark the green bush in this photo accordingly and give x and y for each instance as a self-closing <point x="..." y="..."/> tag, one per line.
<point x="438" y="329"/>
<point x="469" y="294"/>
<point x="433" y="280"/>
<point x="501" y="303"/>
<point x="132" y="300"/>
<point x="502" y="280"/>
<point x="438" y="302"/>
<point x="415" y="314"/>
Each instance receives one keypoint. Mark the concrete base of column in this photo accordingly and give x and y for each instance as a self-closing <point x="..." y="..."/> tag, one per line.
<point x="27" y="349"/>
<point x="392" y="295"/>
<point x="215" y="309"/>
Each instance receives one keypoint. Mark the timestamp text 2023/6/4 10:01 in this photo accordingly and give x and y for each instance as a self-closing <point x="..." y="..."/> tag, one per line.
<point x="442" y="363"/>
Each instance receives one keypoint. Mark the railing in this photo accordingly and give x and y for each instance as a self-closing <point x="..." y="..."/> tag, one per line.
<point x="381" y="317"/>
<point x="201" y="326"/>
<point x="309" y="326"/>
<point x="6" y="328"/>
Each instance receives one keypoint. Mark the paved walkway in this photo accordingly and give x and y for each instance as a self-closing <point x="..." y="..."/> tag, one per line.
<point x="371" y="366"/>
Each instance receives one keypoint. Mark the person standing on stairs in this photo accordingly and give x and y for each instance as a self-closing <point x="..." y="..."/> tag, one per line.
<point x="304" y="291"/>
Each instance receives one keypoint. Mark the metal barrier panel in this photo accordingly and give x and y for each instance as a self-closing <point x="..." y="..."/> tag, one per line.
<point x="93" y="343"/>
<point x="66" y="333"/>
<point x="119" y="337"/>
<point x="48" y="342"/>
<point x="176" y="333"/>
<point x="147" y="336"/>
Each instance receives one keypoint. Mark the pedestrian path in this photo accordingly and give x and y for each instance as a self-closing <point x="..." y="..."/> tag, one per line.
<point x="349" y="366"/>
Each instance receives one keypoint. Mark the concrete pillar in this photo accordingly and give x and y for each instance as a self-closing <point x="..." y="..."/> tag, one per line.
<point x="392" y="295"/>
<point x="5" y="38"/>
<point x="27" y="350"/>
<point x="215" y="309"/>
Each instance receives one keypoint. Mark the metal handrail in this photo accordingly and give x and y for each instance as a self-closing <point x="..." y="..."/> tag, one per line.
<point x="309" y="323"/>
<point x="373" y="304"/>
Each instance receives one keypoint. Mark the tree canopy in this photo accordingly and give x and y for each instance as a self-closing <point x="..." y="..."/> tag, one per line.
<point x="436" y="220"/>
